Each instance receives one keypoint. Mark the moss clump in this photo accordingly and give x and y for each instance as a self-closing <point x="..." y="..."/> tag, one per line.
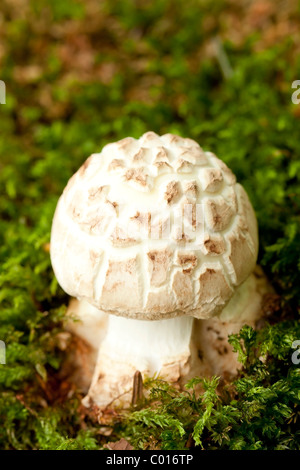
<point x="79" y="75"/>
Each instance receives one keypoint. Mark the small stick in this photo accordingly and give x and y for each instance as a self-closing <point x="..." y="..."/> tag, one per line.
<point x="222" y="58"/>
<point x="137" y="392"/>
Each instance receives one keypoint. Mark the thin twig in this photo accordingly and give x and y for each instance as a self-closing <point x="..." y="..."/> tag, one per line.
<point x="222" y="58"/>
<point x="137" y="392"/>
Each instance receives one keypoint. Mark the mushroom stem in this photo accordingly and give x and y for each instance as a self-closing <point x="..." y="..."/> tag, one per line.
<point x="160" y="347"/>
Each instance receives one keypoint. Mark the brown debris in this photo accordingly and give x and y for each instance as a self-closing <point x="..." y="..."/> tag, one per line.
<point x="122" y="444"/>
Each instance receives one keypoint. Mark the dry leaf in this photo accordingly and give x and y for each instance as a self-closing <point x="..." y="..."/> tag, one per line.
<point x="122" y="444"/>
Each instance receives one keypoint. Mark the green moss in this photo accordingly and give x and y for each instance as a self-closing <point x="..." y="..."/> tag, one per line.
<point x="260" y="410"/>
<point x="142" y="70"/>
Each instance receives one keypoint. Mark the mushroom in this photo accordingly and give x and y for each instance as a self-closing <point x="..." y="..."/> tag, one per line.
<point x="153" y="235"/>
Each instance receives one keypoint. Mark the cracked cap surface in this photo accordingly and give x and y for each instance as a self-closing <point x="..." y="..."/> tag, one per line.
<point x="153" y="228"/>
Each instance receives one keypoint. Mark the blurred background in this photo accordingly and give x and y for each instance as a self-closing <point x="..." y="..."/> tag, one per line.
<point x="82" y="73"/>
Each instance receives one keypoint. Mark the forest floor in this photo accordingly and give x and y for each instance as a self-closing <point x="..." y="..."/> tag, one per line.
<point x="82" y="73"/>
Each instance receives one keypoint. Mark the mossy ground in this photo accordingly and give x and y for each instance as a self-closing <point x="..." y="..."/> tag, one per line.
<point x="82" y="73"/>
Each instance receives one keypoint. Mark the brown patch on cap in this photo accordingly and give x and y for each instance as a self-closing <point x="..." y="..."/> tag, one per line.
<point x="143" y="219"/>
<point x="227" y="173"/>
<point x="162" y="165"/>
<point x="140" y="156"/>
<point x="121" y="288"/>
<point x="137" y="175"/>
<point x="183" y="166"/>
<point x="214" y="292"/>
<point x="159" y="302"/>
<point x="148" y="227"/>
<point x="171" y="192"/>
<point x="161" y="155"/>
<point x="97" y="225"/>
<point x="94" y="218"/>
<point x="211" y="179"/>
<point x="241" y="257"/>
<point x="161" y="160"/>
<point x="194" y="155"/>
<point x="95" y="193"/>
<point x="94" y="257"/>
<point x="114" y="204"/>
<point x="160" y="228"/>
<point x="116" y="164"/>
<point x="189" y="209"/>
<point x="188" y="261"/>
<point x="180" y="236"/>
<point x="190" y="188"/>
<point x="214" y="245"/>
<point x="230" y="196"/>
<point x="159" y="262"/>
<point x="120" y="238"/>
<point x="183" y="289"/>
<point x="218" y="214"/>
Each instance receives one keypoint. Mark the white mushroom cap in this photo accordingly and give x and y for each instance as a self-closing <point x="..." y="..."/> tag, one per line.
<point x="153" y="228"/>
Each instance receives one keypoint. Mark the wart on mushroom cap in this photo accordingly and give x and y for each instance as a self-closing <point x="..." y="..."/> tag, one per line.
<point x="190" y="239"/>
